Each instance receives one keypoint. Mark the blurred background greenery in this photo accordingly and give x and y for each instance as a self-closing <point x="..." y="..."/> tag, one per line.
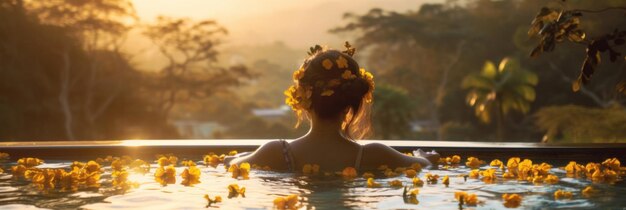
<point x="445" y="70"/>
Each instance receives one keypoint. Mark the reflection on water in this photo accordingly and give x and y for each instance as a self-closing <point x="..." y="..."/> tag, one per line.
<point x="318" y="192"/>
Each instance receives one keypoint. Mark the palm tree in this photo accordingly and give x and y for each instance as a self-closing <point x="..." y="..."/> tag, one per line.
<point x="500" y="90"/>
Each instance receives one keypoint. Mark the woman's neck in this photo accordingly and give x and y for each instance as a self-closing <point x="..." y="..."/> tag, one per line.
<point x="323" y="129"/>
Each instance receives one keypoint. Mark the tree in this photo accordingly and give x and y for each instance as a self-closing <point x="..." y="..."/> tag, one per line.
<point x="191" y="73"/>
<point x="98" y="25"/>
<point x="403" y="46"/>
<point x="499" y="90"/>
<point x="393" y="111"/>
<point x="578" y="124"/>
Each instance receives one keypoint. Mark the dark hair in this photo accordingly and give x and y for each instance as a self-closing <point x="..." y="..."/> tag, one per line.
<point x="337" y="87"/>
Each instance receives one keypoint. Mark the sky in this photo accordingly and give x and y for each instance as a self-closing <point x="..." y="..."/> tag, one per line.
<point x="297" y="23"/>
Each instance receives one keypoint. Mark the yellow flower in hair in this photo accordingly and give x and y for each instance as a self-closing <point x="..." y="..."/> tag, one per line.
<point x="298" y="74"/>
<point x="347" y="74"/>
<point x="342" y="62"/>
<point x="328" y="93"/>
<point x="327" y="63"/>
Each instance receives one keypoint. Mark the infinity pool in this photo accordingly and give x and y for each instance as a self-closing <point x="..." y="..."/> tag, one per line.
<point x="321" y="191"/>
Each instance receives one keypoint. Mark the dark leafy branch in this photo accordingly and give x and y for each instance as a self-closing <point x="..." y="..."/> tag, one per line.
<point x="553" y="26"/>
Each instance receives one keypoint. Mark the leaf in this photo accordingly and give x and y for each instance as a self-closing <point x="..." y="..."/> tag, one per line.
<point x="576" y="85"/>
<point x="489" y="70"/>
<point x="536" y="51"/>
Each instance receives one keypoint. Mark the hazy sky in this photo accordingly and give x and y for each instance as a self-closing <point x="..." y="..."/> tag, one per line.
<point x="297" y="23"/>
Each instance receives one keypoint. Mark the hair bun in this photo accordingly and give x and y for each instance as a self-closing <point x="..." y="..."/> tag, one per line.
<point x="355" y="89"/>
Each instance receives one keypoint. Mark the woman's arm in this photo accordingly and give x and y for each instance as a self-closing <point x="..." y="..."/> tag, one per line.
<point x="377" y="154"/>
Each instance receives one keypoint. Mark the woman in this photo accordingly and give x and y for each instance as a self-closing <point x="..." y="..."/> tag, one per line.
<point x="333" y="93"/>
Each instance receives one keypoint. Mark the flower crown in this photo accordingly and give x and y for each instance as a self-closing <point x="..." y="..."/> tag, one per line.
<point x="299" y="95"/>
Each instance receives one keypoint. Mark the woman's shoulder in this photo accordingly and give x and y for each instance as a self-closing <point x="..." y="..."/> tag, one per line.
<point x="376" y="154"/>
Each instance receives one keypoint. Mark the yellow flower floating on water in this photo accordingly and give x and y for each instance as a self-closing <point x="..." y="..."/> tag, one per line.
<point x="310" y="169"/>
<point x="287" y="202"/>
<point x="588" y="191"/>
<point x="242" y="170"/>
<point x="446" y="180"/>
<point x="410" y="196"/>
<point x="465" y="198"/>
<point x="416" y="166"/>
<point x="383" y="167"/>
<point x="18" y="171"/>
<point x="474" y="174"/>
<point x="390" y="173"/>
<point x="431" y="179"/>
<point x="217" y="199"/>
<point x="368" y="175"/>
<point x="417" y="182"/>
<point x="211" y="160"/>
<point x="395" y="183"/>
<point x="551" y="179"/>
<point x="232" y="153"/>
<point x="489" y="175"/>
<point x="234" y="190"/>
<point x="511" y="200"/>
<point x="29" y="162"/>
<point x="140" y="166"/>
<point x="120" y="180"/>
<point x="473" y="162"/>
<point x="562" y="194"/>
<point x="165" y="175"/>
<point x="574" y="169"/>
<point x="371" y="183"/>
<point x="612" y="163"/>
<point x="410" y="173"/>
<point x="512" y="165"/>
<point x="4" y="156"/>
<point x="496" y="163"/>
<point x="191" y="175"/>
<point x="349" y="173"/>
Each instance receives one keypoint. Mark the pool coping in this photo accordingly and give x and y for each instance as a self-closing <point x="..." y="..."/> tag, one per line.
<point x="198" y="147"/>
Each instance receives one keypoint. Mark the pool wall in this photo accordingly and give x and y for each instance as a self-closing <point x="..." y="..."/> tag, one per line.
<point x="62" y="150"/>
